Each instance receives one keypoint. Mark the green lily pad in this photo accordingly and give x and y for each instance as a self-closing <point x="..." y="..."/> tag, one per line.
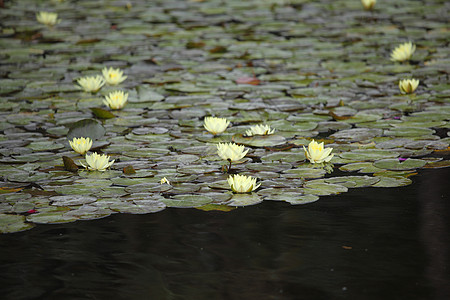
<point x="146" y="94"/>
<point x="290" y="195"/>
<point x="392" y="181"/>
<point x="284" y="157"/>
<point x="259" y="140"/>
<point x="368" y="154"/>
<point x="321" y="188"/>
<point x="86" y="128"/>
<point x="143" y="207"/>
<point x="304" y="173"/>
<point x="88" y="212"/>
<point x="215" y="207"/>
<point x="45" y="146"/>
<point x="244" y="200"/>
<point x="187" y="201"/>
<point x="396" y="165"/>
<point x="363" y="167"/>
<point x="51" y="217"/>
<point x="13" y="223"/>
<point x="356" y="134"/>
<point x="102" y="113"/>
<point x="353" y="181"/>
<point x="71" y="200"/>
<point x="408" y="132"/>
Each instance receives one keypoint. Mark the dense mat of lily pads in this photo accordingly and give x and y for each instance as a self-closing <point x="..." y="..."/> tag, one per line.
<point x="309" y="69"/>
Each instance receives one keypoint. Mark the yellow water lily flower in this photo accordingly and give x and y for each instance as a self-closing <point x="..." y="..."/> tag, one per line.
<point x="113" y="76"/>
<point x="47" y="18"/>
<point x="317" y="154"/>
<point x="242" y="183"/>
<point x="165" y="180"/>
<point x="403" y="52"/>
<point x="216" y="125"/>
<point x="231" y="151"/>
<point x="91" y="84"/>
<point x="259" y="130"/>
<point x="408" y="86"/>
<point x="116" y="100"/>
<point x="81" y="145"/>
<point x="97" y="162"/>
<point x="368" y="4"/>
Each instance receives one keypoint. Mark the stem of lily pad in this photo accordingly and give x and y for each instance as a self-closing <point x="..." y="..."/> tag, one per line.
<point x="229" y="167"/>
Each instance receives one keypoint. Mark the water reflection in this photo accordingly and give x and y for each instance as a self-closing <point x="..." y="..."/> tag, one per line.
<point x="366" y="244"/>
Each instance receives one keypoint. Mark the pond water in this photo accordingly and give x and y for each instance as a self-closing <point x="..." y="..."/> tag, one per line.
<point x="366" y="244"/>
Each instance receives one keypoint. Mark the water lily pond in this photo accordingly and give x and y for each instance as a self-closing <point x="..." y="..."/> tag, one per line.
<point x="317" y="70"/>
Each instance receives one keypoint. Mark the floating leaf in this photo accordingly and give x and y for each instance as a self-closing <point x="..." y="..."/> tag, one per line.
<point x="86" y="128"/>
<point x="69" y="164"/>
<point x="397" y="165"/>
<point x="290" y="195"/>
<point x="245" y="199"/>
<point x="129" y="170"/>
<point x="218" y="207"/>
<point x="51" y="217"/>
<point x="259" y="140"/>
<point x="248" y="80"/>
<point x="364" y="167"/>
<point x="102" y="113"/>
<point x="321" y="188"/>
<point x="392" y="182"/>
<point x="438" y="164"/>
<point x="13" y="223"/>
<point x="143" y="207"/>
<point x="353" y="181"/>
<point x="368" y="154"/>
<point x="71" y="200"/>
<point x="187" y="201"/>
<point x="304" y="173"/>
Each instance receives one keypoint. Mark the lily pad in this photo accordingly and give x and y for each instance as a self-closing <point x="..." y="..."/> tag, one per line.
<point x="245" y="199"/>
<point x="187" y="201"/>
<point x="354" y="181"/>
<point x="397" y="165"/>
<point x="304" y="173"/>
<point x="13" y="223"/>
<point x="321" y="188"/>
<point x="143" y="207"/>
<point x="259" y="140"/>
<point x="368" y="154"/>
<point x="71" y="200"/>
<point x="86" y="128"/>
<point x="51" y="217"/>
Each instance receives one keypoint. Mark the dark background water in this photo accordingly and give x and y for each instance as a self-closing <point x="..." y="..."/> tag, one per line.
<point x="365" y="244"/>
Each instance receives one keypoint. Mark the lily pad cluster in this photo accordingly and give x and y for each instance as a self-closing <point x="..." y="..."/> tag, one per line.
<point x="309" y="69"/>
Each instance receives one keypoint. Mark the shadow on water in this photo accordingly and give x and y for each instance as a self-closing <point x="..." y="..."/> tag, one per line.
<point x="366" y="244"/>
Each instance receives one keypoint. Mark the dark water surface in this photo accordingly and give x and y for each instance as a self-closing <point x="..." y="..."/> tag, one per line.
<point x="366" y="244"/>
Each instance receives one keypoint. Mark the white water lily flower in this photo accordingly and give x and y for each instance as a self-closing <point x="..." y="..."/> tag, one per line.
<point x="242" y="183"/>
<point x="368" y="4"/>
<point x="113" y="76"/>
<point x="403" y="52"/>
<point x="91" y="84"/>
<point x="165" y="180"/>
<point x="259" y="130"/>
<point x="47" y="18"/>
<point x="317" y="154"/>
<point x="97" y="162"/>
<point x="216" y="125"/>
<point x="116" y="100"/>
<point x="231" y="151"/>
<point x="81" y="145"/>
<point x="408" y="86"/>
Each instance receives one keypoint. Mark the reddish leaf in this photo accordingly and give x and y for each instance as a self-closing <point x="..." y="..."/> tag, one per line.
<point x="248" y="80"/>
